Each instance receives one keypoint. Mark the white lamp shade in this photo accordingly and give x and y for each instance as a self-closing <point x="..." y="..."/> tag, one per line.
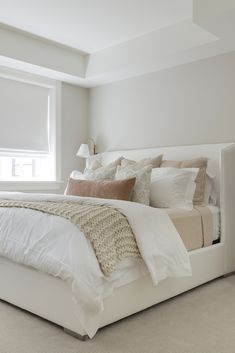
<point x="83" y="151"/>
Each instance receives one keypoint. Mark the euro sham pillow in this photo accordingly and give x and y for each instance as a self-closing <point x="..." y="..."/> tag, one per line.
<point x="105" y="189"/>
<point x="201" y="163"/>
<point x="155" y="162"/>
<point x="173" y="187"/>
<point x="141" y="190"/>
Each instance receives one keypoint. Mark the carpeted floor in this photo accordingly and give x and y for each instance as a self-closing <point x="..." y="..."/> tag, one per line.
<point x="200" y="321"/>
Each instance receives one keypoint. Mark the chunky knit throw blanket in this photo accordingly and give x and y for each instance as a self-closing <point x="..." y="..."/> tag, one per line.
<point x="106" y="227"/>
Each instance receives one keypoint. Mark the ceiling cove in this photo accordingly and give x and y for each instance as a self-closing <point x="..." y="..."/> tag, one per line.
<point x="95" y="42"/>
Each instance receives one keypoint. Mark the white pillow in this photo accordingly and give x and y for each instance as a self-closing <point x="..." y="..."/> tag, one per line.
<point x="173" y="187"/>
<point x="75" y="174"/>
<point x="141" y="189"/>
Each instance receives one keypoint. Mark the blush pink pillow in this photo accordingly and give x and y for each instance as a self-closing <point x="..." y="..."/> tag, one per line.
<point x="105" y="189"/>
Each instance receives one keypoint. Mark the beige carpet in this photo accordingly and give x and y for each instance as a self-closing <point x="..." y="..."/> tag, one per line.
<point x="200" y="321"/>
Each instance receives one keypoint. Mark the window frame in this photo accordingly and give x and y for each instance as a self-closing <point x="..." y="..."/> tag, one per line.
<point x="54" y="134"/>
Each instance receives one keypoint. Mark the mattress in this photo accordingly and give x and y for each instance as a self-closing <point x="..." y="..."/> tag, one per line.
<point x="199" y="227"/>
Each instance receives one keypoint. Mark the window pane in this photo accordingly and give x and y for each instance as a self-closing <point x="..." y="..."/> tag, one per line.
<point x="26" y="168"/>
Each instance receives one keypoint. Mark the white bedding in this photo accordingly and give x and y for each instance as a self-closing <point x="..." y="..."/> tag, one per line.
<point x="56" y="246"/>
<point x="215" y="210"/>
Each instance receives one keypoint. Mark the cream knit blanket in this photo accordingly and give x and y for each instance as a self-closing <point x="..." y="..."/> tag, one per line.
<point x="106" y="227"/>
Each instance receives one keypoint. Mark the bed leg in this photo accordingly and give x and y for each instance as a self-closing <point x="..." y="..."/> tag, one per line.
<point x="76" y="335"/>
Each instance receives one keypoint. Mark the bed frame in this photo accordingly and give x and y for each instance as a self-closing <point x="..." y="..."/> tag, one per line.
<point x="50" y="297"/>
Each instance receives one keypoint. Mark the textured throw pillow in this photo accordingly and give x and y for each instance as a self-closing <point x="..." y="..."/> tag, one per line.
<point x="105" y="189"/>
<point x="103" y="173"/>
<point x="141" y="189"/>
<point x="200" y="181"/>
<point x="155" y="162"/>
<point x="173" y="187"/>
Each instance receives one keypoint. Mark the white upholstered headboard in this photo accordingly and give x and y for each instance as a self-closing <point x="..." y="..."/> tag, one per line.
<point x="211" y="151"/>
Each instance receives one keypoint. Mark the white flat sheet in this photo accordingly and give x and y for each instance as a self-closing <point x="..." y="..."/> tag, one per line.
<point x="215" y="210"/>
<point x="54" y="245"/>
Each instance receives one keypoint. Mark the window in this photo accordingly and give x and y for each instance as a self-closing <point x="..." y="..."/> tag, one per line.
<point x="29" y="125"/>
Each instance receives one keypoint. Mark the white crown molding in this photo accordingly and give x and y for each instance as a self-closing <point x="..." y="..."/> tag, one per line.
<point x="210" y="32"/>
<point x="40" y="52"/>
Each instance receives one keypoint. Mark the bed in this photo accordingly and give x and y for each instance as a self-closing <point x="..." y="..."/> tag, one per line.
<point x="24" y="289"/>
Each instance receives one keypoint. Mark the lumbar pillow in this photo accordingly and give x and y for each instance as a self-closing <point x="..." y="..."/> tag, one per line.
<point x="141" y="189"/>
<point x="105" y="189"/>
<point x="103" y="173"/>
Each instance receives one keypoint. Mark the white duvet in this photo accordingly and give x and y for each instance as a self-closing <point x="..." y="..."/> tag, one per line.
<point x="55" y="245"/>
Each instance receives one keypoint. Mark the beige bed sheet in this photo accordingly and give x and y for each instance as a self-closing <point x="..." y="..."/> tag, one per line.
<point x="195" y="227"/>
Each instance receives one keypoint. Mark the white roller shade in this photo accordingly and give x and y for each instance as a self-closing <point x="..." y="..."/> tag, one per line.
<point x="23" y="116"/>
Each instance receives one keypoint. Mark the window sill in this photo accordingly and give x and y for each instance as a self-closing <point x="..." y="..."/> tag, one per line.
<point x="30" y="185"/>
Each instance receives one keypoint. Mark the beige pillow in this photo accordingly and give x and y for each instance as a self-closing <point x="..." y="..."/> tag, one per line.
<point x="141" y="191"/>
<point x="155" y="162"/>
<point x="200" y="180"/>
<point x="105" y="189"/>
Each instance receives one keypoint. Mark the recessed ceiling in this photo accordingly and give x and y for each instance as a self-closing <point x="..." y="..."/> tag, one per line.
<point x="93" y="25"/>
<point x="118" y="38"/>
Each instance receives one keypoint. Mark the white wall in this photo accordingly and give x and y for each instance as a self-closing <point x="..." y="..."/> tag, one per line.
<point x="189" y="104"/>
<point x="74" y="105"/>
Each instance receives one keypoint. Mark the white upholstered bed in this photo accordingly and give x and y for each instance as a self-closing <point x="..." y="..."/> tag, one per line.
<point x="50" y="297"/>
